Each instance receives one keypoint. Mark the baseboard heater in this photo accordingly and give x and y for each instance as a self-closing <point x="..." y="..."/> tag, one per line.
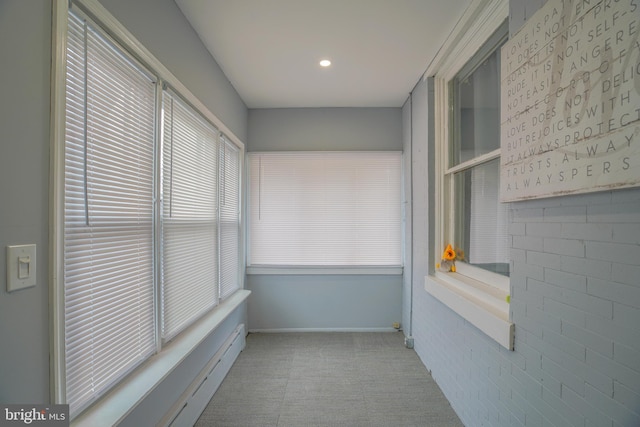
<point x="187" y="410"/>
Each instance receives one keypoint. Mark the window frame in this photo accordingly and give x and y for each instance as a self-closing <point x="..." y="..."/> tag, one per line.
<point x="204" y="138"/>
<point x="113" y="405"/>
<point x="97" y="159"/>
<point x="479" y="296"/>
<point x="454" y="221"/>
<point x="284" y="268"/>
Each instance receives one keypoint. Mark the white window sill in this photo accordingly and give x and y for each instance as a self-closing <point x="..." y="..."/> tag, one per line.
<point x="484" y="306"/>
<point x="333" y="269"/>
<point x="112" y="408"/>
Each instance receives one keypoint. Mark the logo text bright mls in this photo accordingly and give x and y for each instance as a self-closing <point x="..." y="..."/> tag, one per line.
<point x="41" y="415"/>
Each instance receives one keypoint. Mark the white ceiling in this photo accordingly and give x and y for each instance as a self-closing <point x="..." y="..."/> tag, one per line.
<point x="270" y="49"/>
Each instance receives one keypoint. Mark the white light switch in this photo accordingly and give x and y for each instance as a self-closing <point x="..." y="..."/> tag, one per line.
<point x="24" y="267"/>
<point x="21" y="267"/>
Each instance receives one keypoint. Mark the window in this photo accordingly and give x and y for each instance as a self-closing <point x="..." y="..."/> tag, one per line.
<point x="469" y="215"/>
<point x="230" y="231"/>
<point x="108" y="211"/>
<point x="325" y="209"/>
<point x="479" y="225"/>
<point x="148" y="207"/>
<point x="189" y="215"/>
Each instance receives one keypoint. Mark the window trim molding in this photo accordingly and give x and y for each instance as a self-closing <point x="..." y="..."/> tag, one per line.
<point x="56" y="190"/>
<point x="325" y="270"/>
<point x="446" y="288"/>
<point x="210" y="321"/>
<point x="467" y="37"/>
<point x="495" y="154"/>
<point x="488" y="311"/>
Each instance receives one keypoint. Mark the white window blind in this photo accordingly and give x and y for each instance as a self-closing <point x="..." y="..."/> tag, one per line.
<point x="108" y="215"/>
<point x="229" y="218"/>
<point x="189" y="215"/>
<point x="325" y="208"/>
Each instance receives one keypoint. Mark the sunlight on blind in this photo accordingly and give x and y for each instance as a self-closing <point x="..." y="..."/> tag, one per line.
<point x="331" y="208"/>
<point x="108" y="209"/>
<point x="229" y="218"/>
<point x="189" y="216"/>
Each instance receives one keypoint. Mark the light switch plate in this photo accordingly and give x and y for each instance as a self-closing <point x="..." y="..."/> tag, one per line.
<point x="21" y="267"/>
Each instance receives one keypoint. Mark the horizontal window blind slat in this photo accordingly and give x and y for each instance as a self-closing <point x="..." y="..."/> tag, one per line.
<point x="108" y="250"/>
<point x="109" y="228"/>
<point x="325" y="208"/>
<point x="189" y="216"/>
<point x="229" y="219"/>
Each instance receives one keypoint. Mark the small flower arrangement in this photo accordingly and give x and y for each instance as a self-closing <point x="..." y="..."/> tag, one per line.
<point x="449" y="256"/>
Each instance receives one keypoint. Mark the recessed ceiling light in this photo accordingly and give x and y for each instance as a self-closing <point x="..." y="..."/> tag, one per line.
<point x="325" y="63"/>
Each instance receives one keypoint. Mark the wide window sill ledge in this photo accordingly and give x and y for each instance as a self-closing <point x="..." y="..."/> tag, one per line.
<point x="488" y="311"/>
<point x="318" y="270"/>
<point x="112" y="408"/>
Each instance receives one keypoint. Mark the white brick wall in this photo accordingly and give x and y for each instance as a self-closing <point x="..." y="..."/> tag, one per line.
<point x="575" y="302"/>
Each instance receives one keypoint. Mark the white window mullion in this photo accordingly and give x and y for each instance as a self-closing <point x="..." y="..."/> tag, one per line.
<point x="157" y="214"/>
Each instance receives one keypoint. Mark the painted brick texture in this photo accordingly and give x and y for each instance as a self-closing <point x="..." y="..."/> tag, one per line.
<point x="575" y="302"/>
<point x="576" y="306"/>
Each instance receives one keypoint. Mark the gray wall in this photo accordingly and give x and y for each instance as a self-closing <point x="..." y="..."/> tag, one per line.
<point x="575" y="303"/>
<point x="24" y="195"/>
<point x="324" y="301"/>
<point x="420" y="128"/>
<point x="24" y="174"/>
<point x="325" y="129"/>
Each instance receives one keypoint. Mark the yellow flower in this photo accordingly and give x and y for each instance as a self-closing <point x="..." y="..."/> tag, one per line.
<point x="449" y="254"/>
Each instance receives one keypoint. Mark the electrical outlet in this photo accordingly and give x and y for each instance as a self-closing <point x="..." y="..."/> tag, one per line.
<point x="396" y="325"/>
<point x="408" y="342"/>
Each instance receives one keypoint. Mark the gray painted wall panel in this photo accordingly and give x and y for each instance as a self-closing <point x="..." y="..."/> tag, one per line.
<point x="330" y="302"/>
<point x="407" y="279"/>
<point x="24" y="185"/>
<point x="325" y="129"/>
<point x="420" y="175"/>
<point x="417" y="127"/>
